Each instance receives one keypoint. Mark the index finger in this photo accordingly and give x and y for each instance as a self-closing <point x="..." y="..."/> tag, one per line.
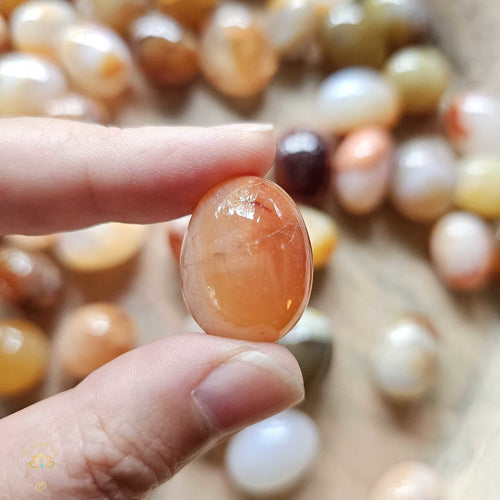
<point x="57" y="175"/>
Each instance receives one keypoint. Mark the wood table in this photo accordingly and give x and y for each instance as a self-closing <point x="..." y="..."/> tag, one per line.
<point x="381" y="270"/>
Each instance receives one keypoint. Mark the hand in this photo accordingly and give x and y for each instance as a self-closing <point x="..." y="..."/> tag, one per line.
<point x="136" y="421"/>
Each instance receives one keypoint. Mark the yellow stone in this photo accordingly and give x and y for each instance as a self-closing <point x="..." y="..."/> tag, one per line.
<point x="24" y="354"/>
<point x="478" y="185"/>
<point x="421" y="75"/>
<point x="323" y="233"/>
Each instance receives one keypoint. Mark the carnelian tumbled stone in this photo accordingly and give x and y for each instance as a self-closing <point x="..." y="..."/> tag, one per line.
<point x="246" y="262"/>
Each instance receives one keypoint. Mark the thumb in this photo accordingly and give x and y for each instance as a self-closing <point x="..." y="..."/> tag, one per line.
<point x="136" y="421"/>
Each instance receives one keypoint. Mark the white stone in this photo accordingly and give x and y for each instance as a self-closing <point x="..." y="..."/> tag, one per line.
<point x="313" y="325"/>
<point x="356" y="97"/>
<point x="404" y="360"/>
<point x="37" y="26"/>
<point x="272" y="456"/>
<point x="97" y="60"/>
<point x="26" y="82"/>
<point x="423" y="178"/>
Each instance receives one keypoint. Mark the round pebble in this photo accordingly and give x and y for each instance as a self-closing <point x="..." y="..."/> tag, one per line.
<point x="24" y="356"/>
<point x="244" y="233"/>
<point x="404" y="359"/>
<point x="462" y="250"/>
<point x="93" y="335"/>
<point x="27" y="82"/>
<point x="323" y="234"/>
<point x="423" y="179"/>
<point x="351" y="38"/>
<point x="421" y="75"/>
<point x="271" y="457"/>
<point x="302" y="164"/>
<point x="176" y="231"/>
<point x="100" y="247"/>
<point x="362" y="168"/>
<point x="97" y="60"/>
<point x="478" y="185"/>
<point x="28" y="279"/>
<point x="311" y="342"/>
<point x="409" y="481"/>
<point x="236" y="55"/>
<point x="399" y="21"/>
<point x="357" y="97"/>
<point x="290" y="24"/>
<point x="37" y="26"/>
<point x="166" y="52"/>
<point x="472" y="120"/>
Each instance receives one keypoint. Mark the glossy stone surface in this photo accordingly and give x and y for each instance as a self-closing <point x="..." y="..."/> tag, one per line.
<point x="236" y="55"/>
<point x="462" y="250"/>
<point x="36" y="26"/>
<point x="404" y="359"/>
<point x="119" y="14"/>
<point x="323" y="234"/>
<point x="93" y="335"/>
<point x="97" y="60"/>
<point x="421" y="74"/>
<point x="409" y="481"/>
<point x="400" y="21"/>
<point x="24" y="356"/>
<point x="28" y="279"/>
<point x="246" y="263"/>
<point x="290" y="24"/>
<point x="472" y="120"/>
<point x="73" y="106"/>
<point x="351" y="38"/>
<point x="100" y="247"/>
<point x="311" y="342"/>
<point x="166" y="52"/>
<point x="302" y="165"/>
<point x="190" y="13"/>
<point x="357" y="97"/>
<point x="176" y="231"/>
<point x="273" y="456"/>
<point x="32" y="243"/>
<point x="478" y="185"/>
<point x="362" y="166"/>
<point x="26" y="82"/>
<point x="424" y="177"/>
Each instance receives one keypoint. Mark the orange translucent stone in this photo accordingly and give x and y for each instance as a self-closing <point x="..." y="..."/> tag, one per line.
<point x="165" y="51"/>
<point x="92" y="336"/>
<point x="246" y="263"/>
<point x="24" y="355"/>
<point x="236" y="55"/>
<point x="28" y="279"/>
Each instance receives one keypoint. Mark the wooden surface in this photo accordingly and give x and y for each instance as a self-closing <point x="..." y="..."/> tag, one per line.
<point x="380" y="271"/>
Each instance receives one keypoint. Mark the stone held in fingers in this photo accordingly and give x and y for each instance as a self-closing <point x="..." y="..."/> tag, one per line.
<point x="246" y="263"/>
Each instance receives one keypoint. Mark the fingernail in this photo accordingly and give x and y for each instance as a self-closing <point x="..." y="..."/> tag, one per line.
<point x="249" y="127"/>
<point x="246" y="388"/>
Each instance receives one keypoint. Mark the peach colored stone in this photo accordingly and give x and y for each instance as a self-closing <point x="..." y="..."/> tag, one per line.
<point x="94" y="335"/>
<point x="246" y="263"/>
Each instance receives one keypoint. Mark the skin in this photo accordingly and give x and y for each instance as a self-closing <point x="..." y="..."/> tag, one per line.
<point x="136" y="421"/>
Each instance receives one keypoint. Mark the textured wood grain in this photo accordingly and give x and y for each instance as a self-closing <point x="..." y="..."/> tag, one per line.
<point x="380" y="271"/>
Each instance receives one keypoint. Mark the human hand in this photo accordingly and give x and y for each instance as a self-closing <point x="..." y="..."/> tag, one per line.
<point x="136" y="421"/>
